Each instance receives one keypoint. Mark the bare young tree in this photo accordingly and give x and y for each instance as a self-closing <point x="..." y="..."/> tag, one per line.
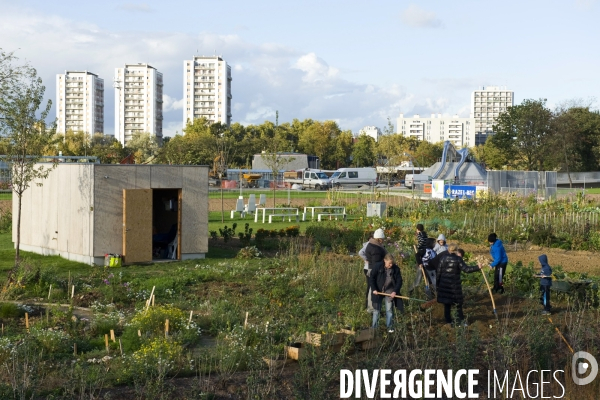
<point x="24" y="133"/>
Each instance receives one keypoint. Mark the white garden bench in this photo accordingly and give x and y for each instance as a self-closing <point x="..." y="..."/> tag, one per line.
<point x="336" y="215"/>
<point x="289" y="216"/>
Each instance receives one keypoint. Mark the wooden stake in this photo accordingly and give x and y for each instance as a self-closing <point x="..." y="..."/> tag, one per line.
<point x="167" y="328"/>
<point x="112" y="335"/>
<point x="49" y="292"/>
<point x="72" y="291"/>
<point x="246" y="320"/>
<point x="121" y="347"/>
<point x="139" y="333"/>
<point x="190" y="320"/>
<point x="153" y="300"/>
<point x="27" y="321"/>
<point x="74" y="349"/>
<point x="489" y="291"/>
<point x="106" y="341"/>
<point x="150" y="298"/>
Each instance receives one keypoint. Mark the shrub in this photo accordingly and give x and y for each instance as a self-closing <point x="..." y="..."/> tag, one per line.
<point x="249" y="252"/>
<point x="151" y="322"/>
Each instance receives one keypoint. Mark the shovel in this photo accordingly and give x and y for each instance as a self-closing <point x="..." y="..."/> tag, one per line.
<point x="399" y="297"/>
<point x="489" y="290"/>
<point x="427" y="289"/>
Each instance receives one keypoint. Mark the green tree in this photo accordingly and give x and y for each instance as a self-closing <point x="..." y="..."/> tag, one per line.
<point x="363" y="153"/>
<point x="143" y="146"/>
<point x="575" y="138"/>
<point x="524" y="132"/>
<point x="25" y="135"/>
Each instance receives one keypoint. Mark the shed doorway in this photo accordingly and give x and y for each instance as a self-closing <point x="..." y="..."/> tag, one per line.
<point x="166" y="224"/>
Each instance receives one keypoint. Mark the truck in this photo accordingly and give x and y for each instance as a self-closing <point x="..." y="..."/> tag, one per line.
<point x="307" y="178"/>
<point x="354" y="177"/>
<point x="412" y="180"/>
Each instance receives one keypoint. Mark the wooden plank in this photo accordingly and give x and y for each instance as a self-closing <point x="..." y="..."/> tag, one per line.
<point x="137" y="225"/>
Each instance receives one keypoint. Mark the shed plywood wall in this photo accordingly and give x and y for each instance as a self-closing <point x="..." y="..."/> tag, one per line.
<point x="108" y="211"/>
<point x="194" y="211"/>
<point x="57" y="215"/>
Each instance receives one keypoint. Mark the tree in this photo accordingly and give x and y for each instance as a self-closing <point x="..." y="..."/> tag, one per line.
<point x="575" y="138"/>
<point x="143" y="146"/>
<point x="273" y="159"/>
<point x="25" y="136"/>
<point x="523" y="132"/>
<point x="363" y="154"/>
<point x="11" y="73"/>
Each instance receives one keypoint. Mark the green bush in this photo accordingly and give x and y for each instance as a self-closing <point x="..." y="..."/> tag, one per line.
<point x="10" y="310"/>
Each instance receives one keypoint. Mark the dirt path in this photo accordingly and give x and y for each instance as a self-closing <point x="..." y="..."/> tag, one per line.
<point x="571" y="261"/>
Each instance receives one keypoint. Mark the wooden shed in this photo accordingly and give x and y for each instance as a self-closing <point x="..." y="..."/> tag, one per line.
<point x="143" y="212"/>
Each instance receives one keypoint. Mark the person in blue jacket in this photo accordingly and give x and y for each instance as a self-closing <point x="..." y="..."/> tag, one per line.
<point x="545" y="283"/>
<point x="499" y="263"/>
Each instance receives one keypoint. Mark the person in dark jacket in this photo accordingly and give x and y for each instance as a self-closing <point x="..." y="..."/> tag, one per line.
<point x="374" y="252"/>
<point x="499" y="263"/>
<point x="367" y="271"/>
<point x="545" y="283"/>
<point x="387" y="279"/>
<point x="449" y="287"/>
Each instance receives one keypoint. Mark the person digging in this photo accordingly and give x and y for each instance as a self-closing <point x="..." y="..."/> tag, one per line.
<point x="449" y="286"/>
<point x="386" y="282"/>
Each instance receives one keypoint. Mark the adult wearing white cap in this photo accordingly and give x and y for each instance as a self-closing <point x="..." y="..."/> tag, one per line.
<point x="374" y="254"/>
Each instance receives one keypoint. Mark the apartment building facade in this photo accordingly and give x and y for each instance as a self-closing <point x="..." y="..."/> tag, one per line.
<point x="138" y="102"/>
<point x="207" y="90"/>
<point x="80" y="102"/>
<point x="371" y="131"/>
<point x="437" y="128"/>
<point x="487" y="103"/>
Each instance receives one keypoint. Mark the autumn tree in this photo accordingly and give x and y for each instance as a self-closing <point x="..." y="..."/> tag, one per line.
<point x="24" y="132"/>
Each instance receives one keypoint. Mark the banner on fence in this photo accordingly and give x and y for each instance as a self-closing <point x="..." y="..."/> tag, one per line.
<point x="459" y="192"/>
<point x="437" y="189"/>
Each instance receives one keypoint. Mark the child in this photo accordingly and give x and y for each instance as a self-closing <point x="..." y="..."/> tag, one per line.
<point x="545" y="283"/>
<point x="427" y="259"/>
<point x="441" y="244"/>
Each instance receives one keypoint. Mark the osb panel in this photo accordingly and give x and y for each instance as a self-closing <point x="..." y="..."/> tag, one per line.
<point x="109" y="182"/>
<point x="137" y="225"/>
<point x="194" y="224"/>
<point x="166" y="176"/>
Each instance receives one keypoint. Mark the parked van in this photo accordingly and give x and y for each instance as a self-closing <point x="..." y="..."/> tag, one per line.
<point x="354" y="177"/>
<point x="416" y="179"/>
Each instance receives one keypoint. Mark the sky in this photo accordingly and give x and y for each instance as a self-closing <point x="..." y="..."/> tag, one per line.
<point x="357" y="63"/>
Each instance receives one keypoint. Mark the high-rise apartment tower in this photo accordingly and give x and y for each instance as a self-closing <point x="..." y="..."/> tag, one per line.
<point x="486" y="104"/>
<point x="80" y="102"/>
<point x="207" y="90"/>
<point x="138" y="101"/>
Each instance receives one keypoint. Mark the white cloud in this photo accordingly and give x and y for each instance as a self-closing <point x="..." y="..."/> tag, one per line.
<point x="170" y="103"/>
<point x="315" y="69"/>
<point x="418" y="18"/>
<point x="266" y="76"/>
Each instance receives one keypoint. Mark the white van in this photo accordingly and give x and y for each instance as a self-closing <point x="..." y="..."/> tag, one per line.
<point x="354" y="177"/>
<point x="416" y="179"/>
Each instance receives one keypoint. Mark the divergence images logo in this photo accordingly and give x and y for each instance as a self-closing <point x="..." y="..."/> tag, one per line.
<point x="578" y="368"/>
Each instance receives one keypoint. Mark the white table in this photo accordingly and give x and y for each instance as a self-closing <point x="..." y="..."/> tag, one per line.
<point x="334" y="209"/>
<point x="280" y="211"/>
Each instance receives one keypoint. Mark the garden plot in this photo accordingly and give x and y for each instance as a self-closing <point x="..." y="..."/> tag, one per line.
<point x="248" y="309"/>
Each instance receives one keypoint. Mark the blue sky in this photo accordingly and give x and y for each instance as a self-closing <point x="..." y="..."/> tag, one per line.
<point x="353" y="62"/>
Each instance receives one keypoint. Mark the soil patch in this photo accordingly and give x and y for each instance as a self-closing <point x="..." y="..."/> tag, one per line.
<point x="571" y="261"/>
